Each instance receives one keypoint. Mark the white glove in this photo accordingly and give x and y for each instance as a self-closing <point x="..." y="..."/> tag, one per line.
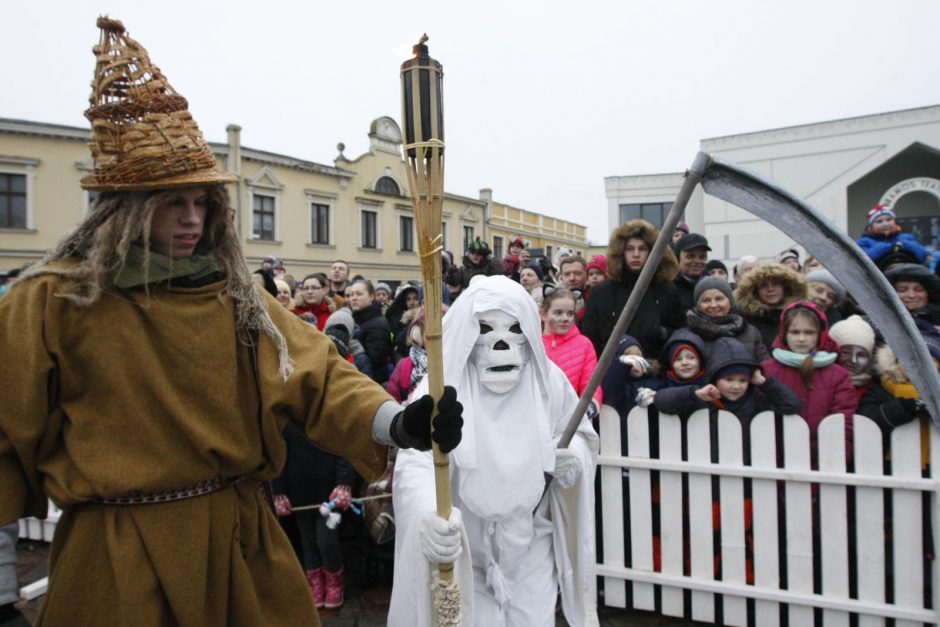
<point x="440" y="539"/>
<point x="567" y="467"/>
<point x="644" y="397"/>
<point x="638" y="365"/>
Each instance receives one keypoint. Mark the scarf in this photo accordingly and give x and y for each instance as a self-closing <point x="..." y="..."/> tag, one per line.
<point x="711" y="328"/>
<point x="419" y="364"/>
<point x="861" y="379"/>
<point x="899" y="390"/>
<point x="161" y="268"/>
<point x="821" y="359"/>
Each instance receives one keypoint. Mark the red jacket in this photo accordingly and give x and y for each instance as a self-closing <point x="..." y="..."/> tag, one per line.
<point x="832" y="393"/>
<point x="574" y="354"/>
<point x="321" y="311"/>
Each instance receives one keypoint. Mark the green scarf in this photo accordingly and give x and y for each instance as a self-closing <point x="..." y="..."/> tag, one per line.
<point x="161" y="268"/>
<point x="789" y="358"/>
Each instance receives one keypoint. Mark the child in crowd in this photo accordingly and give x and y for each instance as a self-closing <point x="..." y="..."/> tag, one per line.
<point x="804" y="359"/>
<point x="596" y="270"/>
<point x="627" y="375"/>
<point x="685" y="356"/>
<point x="856" y="340"/>
<point x="564" y="344"/>
<point x="409" y="370"/>
<point x="892" y="400"/>
<point x="883" y="237"/>
<point x="735" y="383"/>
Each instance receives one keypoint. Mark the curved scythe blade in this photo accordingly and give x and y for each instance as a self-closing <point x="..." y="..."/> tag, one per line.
<point x="842" y="257"/>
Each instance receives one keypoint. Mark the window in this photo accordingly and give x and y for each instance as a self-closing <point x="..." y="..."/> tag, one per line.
<point x="653" y="212"/>
<point x="262" y="217"/>
<point x="444" y="235"/>
<point x="370" y="224"/>
<point x="548" y="252"/>
<point x="467" y="237"/>
<point x="497" y="246"/>
<point x="319" y="223"/>
<point x="387" y="185"/>
<point x="13" y="201"/>
<point x="406" y="229"/>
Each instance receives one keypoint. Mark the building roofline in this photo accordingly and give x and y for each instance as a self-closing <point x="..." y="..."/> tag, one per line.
<point x="44" y="129"/>
<point x="62" y="131"/>
<point x="811" y="125"/>
<point x="264" y="156"/>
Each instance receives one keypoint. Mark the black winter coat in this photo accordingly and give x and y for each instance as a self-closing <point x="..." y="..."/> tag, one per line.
<point x="376" y="339"/>
<point x="659" y="314"/>
<point x="310" y="474"/>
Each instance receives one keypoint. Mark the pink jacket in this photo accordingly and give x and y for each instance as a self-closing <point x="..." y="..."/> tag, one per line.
<point x="574" y="354"/>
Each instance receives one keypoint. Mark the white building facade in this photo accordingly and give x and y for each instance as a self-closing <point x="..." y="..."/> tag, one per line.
<point x="840" y="167"/>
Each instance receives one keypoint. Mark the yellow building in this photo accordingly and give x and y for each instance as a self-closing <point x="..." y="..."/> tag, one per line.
<point x="307" y="214"/>
<point x="505" y="222"/>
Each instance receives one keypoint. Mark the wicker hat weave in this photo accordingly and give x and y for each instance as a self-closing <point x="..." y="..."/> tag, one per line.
<point x="143" y="136"/>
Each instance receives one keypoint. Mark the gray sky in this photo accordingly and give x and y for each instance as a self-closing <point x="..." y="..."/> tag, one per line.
<point x="542" y="99"/>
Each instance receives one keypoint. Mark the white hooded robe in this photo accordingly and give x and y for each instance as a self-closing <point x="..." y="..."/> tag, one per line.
<point x="514" y="560"/>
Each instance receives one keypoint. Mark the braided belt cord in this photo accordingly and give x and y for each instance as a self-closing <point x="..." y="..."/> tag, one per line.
<point x="174" y="494"/>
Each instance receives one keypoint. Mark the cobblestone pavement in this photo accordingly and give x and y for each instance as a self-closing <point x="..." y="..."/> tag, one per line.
<point x="366" y="605"/>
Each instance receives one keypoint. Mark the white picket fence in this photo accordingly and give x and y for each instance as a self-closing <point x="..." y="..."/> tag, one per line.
<point x="888" y="580"/>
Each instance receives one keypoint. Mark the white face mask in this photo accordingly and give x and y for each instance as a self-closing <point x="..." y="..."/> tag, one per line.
<point x="500" y="352"/>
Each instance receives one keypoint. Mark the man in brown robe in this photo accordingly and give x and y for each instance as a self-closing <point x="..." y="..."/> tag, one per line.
<point x="147" y="381"/>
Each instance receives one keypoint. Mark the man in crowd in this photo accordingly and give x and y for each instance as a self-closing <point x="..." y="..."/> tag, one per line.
<point x="573" y="273"/>
<point x="692" y="251"/>
<point x="660" y="310"/>
<point x="339" y="280"/>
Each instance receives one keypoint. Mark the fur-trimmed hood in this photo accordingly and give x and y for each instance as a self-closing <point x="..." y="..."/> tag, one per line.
<point x="747" y="299"/>
<point x="888" y="366"/>
<point x="668" y="267"/>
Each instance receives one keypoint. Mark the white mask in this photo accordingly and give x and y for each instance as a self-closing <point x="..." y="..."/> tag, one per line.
<point x="500" y="352"/>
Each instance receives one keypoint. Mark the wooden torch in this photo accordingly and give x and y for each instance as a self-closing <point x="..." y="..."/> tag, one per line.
<point x="423" y="120"/>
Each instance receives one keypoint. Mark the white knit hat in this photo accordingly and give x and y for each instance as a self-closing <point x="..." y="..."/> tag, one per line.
<point x="853" y="331"/>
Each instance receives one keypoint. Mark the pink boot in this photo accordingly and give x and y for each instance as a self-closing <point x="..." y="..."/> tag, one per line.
<point x="315" y="579"/>
<point x="334" y="589"/>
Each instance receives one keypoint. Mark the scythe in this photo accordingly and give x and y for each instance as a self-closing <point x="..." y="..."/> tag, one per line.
<point x="841" y="256"/>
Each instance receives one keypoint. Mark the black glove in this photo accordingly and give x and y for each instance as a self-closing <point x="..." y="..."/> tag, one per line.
<point x="911" y="407"/>
<point x="411" y="428"/>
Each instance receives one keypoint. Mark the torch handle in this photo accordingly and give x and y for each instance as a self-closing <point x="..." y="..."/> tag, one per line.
<point x="433" y="345"/>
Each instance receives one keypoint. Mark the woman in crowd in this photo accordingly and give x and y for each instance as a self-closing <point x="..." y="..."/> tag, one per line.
<point x="313" y="304"/>
<point x="374" y="333"/>
<point x="823" y="289"/>
<point x="283" y="296"/>
<point x="407" y="299"/>
<point x="919" y="290"/>
<point x="713" y="316"/>
<point x="764" y="292"/>
<point x="530" y="278"/>
<point x="409" y="369"/>
<point x="804" y="360"/>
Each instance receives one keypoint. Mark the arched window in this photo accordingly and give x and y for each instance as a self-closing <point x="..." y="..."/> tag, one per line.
<point x="387" y="185"/>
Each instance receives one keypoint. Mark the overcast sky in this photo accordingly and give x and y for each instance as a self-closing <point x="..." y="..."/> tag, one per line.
<point x="542" y="99"/>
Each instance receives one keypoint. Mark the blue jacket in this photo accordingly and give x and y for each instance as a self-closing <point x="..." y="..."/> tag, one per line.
<point x="877" y="246"/>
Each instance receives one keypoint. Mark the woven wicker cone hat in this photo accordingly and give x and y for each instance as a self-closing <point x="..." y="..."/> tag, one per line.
<point x="142" y="135"/>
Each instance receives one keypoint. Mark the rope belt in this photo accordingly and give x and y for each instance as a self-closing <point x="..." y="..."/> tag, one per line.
<point x="174" y="494"/>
